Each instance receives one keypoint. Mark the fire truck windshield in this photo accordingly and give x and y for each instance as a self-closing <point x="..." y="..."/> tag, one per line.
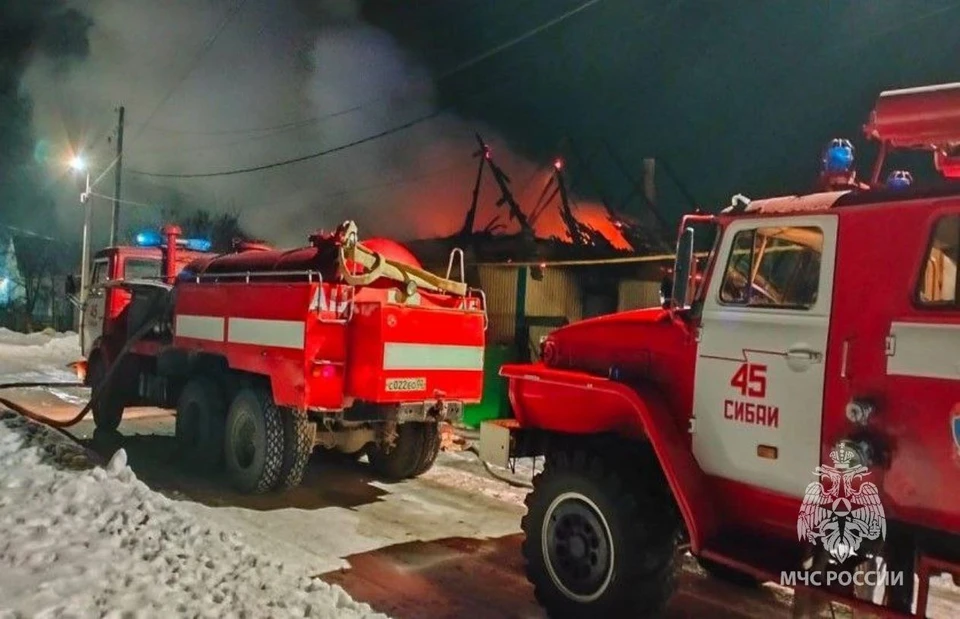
<point x="777" y="267"/>
<point x="141" y="268"/>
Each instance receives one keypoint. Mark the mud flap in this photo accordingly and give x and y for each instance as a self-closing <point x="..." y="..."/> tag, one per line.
<point x="495" y="443"/>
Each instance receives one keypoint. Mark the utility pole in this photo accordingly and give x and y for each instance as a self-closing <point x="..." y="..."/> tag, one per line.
<point x="117" y="175"/>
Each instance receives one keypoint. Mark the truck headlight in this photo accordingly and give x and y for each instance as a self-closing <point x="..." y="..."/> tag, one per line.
<point x="549" y="352"/>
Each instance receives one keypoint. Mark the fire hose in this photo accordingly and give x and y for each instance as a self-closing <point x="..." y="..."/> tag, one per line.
<point x="97" y="391"/>
<point x="499" y="476"/>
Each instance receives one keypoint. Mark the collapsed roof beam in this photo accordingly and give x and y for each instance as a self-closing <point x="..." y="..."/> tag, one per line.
<point x="503" y="182"/>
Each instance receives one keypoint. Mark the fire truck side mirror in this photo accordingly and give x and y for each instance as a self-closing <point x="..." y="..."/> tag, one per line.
<point x="70" y="285"/>
<point x="666" y="290"/>
<point x="682" y="269"/>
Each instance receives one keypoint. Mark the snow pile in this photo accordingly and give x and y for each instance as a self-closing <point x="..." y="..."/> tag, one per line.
<point x="37" y="356"/>
<point x="101" y="543"/>
<point x="48" y="344"/>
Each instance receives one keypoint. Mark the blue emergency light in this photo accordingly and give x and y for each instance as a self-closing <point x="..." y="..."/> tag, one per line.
<point x="899" y="179"/>
<point x="838" y="158"/>
<point x="152" y="238"/>
<point x="149" y="238"/>
<point x="198" y="244"/>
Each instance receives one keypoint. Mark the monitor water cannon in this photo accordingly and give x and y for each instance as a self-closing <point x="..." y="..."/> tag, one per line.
<point x="926" y="118"/>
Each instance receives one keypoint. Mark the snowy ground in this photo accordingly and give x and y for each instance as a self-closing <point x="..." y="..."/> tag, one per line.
<point x="101" y="543"/>
<point x="38" y="356"/>
<point x="149" y="539"/>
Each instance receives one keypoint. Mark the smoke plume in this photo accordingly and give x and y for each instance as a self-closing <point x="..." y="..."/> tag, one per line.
<point x="282" y="79"/>
<point x="31" y="29"/>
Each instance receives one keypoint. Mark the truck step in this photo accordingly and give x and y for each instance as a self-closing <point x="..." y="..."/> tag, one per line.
<point x="763" y="557"/>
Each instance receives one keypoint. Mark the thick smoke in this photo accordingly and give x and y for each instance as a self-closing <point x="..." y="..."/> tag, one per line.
<point x="273" y="66"/>
<point x="30" y="29"/>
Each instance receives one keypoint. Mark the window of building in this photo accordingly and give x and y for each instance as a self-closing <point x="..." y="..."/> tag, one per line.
<point x="141" y="268"/>
<point x="938" y="286"/>
<point x="774" y="267"/>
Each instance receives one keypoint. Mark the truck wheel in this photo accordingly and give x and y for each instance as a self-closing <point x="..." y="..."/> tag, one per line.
<point x="108" y="411"/>
<point x="430" y="449"/>
<point x="728" y="574"/>
<point x="201" y="414"/>
<point x="297" y="447"/>
<point x="400" y="460"/>
<point x="595" y="545"/>
<point x="253" y="441"/>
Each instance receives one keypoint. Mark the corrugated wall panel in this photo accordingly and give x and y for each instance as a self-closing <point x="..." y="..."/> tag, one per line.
<point x="500" y="286"/>
<point x="637" y="294"/>
<point x="557" y="294"/>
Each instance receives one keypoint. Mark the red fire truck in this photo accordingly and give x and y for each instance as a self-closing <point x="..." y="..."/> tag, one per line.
<point x="266" y="353"/>
<point x="794" y="416"/>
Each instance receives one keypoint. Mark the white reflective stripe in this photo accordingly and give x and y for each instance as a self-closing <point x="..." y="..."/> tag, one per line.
<point x="397" y="356"/>
<point x="280" y="333"/>
<point x="925" y="350"/>
<point x="199" y="327"/>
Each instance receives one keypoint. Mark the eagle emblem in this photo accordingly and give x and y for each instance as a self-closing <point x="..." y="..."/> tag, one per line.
<point x="841" y="509"/>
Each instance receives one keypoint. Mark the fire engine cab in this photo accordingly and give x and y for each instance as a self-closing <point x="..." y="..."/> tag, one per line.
<point x="347" y="345"/>
<point x="797" y="408"/>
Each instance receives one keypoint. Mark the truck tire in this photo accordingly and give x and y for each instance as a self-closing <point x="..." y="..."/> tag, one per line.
<point x="728" y="574"/>
<point x="201" y="419"/>
<point x="297" y="447"/>
<point x="596" y="545"/>
<point x="430" y="449"/>
<point x="253" y="442"/>
<point x="108" y="411"/>
<point x="400" y="460"/>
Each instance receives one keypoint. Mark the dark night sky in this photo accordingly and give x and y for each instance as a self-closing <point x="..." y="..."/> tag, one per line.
<point x="739" y="96"/>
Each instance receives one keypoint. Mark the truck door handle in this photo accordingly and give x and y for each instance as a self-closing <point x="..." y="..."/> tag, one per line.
<point x="801" y="353"/>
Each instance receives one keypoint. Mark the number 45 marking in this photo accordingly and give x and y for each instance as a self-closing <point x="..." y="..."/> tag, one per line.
<point x="751" y="380"/>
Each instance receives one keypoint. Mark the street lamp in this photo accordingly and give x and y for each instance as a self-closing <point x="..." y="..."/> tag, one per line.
<point x="79" y="164"/>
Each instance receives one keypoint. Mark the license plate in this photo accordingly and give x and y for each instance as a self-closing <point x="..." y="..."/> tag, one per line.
<point x="406" y="384"/>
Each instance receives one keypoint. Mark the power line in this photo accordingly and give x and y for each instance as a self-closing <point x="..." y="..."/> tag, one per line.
<point x="193" y="149"/>
<point x="130" y="202"/>
<point x="514" y="41"/>
<point x="443" y="76"/>
<point x="459" y="68"/>
<point x="285" y="162"/>
<point x="195" y="61"/>
<point x="366" y="188"/>
<point x="207" y="45"/>
<point x="274" y="128"/>
<point x="31" y="233"/>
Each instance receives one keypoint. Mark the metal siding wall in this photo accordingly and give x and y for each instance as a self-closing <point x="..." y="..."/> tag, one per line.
<point x="638" y="294"/>
<point x="500" y="286"/>
<point x="557" y="294"/>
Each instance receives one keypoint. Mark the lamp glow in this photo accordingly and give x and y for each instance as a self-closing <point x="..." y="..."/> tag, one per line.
<point x="78" y="163"/>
